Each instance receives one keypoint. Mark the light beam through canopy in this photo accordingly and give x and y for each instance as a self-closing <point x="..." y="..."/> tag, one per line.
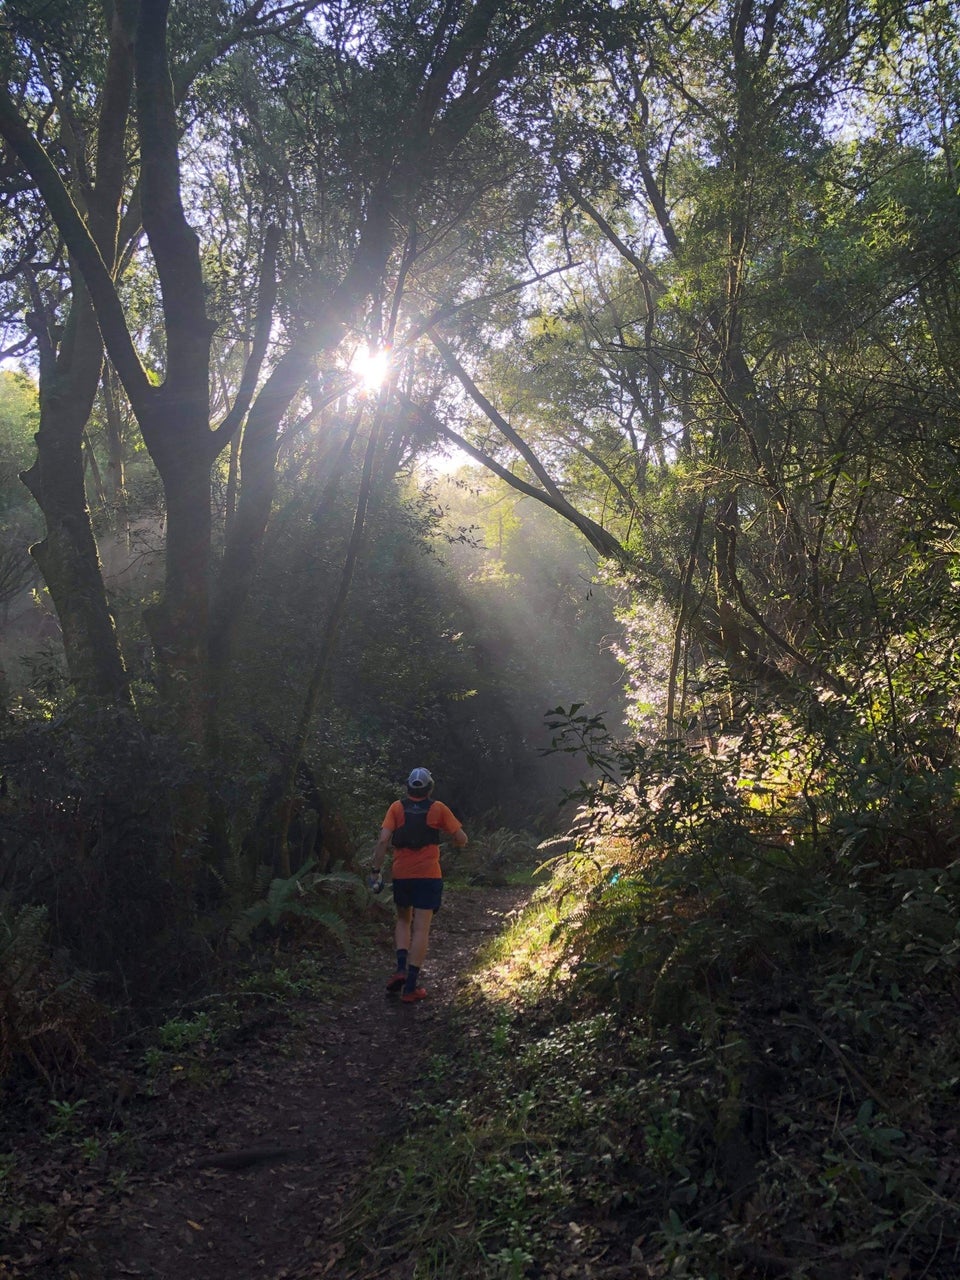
<point x="370" y="366"/>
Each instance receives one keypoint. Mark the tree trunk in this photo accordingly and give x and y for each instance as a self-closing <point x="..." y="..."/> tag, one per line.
<point x="67" y="556"/>
<point x="175" y="421"/>
<point x="69" y="374"/>
<point x="233" y="478"/>
<point x="328" y="641"/>
<point x="178" y="623"/>
<point x="258" y="455"/>
<point x="116" y="465"/>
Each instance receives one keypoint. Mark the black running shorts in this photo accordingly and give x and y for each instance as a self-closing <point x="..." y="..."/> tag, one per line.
<point x="423" y="895"/>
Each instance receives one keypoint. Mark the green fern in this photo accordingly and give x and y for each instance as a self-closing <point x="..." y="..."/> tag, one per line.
<point x="303" y="896"/>
<point x="46" y="1018"/>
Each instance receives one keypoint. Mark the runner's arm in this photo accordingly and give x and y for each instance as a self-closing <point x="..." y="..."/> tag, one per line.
<point x="450" y="824"/>
<point x="380" y="848"/>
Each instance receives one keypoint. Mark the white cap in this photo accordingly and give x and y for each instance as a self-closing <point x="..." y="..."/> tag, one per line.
<point x="420" y="780"/>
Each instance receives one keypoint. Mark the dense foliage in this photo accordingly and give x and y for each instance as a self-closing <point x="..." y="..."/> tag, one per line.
<point x="723" y="1041"/>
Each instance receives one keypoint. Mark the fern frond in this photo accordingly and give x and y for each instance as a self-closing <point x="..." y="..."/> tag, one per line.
<point x="47" y="1019"/>
<point x="295" y="898"/>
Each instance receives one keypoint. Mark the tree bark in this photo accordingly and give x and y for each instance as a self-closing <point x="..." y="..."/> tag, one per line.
<point x="116" y="462"/>
<point x="69" y="372"/>
<point x="67" y="555"/>
<point x="178" y="622"/>
<point x="176" y="421"/>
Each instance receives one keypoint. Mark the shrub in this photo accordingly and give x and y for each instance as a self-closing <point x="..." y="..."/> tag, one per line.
<point x="48" y="1017"/>
<point x="88" y="835"/>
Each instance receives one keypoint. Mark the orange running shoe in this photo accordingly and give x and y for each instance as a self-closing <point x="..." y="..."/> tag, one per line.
<point x="411" y="997"/>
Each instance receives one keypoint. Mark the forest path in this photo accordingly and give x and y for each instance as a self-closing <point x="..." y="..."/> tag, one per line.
<point x="298" y="1115"/>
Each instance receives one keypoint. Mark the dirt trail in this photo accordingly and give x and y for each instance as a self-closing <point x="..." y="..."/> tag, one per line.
<point x="247" y="1179"/>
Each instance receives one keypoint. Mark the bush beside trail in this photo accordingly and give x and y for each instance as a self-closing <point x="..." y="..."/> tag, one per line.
<point x="719" y="1044"/>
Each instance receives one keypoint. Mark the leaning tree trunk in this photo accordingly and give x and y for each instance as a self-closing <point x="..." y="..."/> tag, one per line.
<point x="116" y="464"/>
<point x="69" y="372"/>
<point x="67" y="555"/>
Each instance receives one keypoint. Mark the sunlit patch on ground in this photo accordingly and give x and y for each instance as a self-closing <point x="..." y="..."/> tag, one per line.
<point x="523" y="959"/>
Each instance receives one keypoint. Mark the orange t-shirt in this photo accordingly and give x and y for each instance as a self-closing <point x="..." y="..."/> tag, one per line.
<point x="420" y="864"/>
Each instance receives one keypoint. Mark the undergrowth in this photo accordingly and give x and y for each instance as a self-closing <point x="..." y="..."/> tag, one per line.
<point x="75" y="1128"/>
<point x="722" y="1042"/>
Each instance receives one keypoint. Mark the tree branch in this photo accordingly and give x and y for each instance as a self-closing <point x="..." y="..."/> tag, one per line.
<point x="598" y="537"/>
<point x="264" y="319"/>
<point x="648" y="278"/>
<point x="499" y="421"/>
<point x="80" y="243"/>
<point x="173" y="242"/>
<point x="442" y="314"/>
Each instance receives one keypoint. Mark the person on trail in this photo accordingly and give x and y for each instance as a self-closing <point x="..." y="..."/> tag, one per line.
<point x="413" y="827"/>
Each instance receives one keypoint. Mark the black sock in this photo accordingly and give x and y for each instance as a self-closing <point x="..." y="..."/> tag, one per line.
<point x="413" y="972"/>
<point x="401" y="960"/>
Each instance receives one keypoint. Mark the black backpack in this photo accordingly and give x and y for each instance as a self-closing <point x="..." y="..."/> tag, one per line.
<point x="415" y="834"/>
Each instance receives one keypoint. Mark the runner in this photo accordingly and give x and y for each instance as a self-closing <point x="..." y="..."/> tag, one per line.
<point x="413" y="827"/>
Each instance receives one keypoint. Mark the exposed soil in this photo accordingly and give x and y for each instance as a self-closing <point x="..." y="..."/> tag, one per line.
<point x="245" y="1172"/>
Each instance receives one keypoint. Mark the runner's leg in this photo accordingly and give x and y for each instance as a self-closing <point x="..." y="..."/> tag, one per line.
<point x="402" y="931"/>
<point x="420" y="936"/>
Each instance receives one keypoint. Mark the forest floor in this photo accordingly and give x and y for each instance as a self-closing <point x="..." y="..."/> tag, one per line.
<point x="240" y="1161"/>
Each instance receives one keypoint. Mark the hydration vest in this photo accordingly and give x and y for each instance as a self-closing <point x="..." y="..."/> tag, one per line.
<point x="415" y="834"/>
